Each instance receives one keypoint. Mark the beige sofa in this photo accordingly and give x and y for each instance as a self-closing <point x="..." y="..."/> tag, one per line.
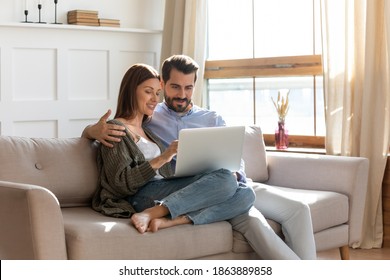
<point x="46" y="186"/>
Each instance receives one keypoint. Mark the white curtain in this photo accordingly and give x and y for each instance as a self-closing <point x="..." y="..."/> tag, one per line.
<point x="356" y="48"/>
<point x="185" y="33"/>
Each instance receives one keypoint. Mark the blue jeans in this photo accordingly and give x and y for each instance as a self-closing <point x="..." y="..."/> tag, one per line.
<point x="205" y="198"/>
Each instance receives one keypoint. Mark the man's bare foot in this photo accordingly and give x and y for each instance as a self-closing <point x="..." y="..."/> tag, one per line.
<point x="161" y="223"/>
<point x="141" y="221"/>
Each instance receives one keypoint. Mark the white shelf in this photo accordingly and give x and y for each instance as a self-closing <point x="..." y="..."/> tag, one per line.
<point x="80" y="27"/>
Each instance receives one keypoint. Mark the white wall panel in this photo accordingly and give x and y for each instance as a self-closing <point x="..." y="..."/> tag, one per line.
<point x="127" y="58"/>
<point x="1" y="76"/>
<point x="77" y="126"/>
<point x="88" y="74"/>
<point x="34" y="74"/>
<point x="46" y="128"/>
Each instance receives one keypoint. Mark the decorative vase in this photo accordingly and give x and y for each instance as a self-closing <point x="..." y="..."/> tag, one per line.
<point x="281" y="136"/>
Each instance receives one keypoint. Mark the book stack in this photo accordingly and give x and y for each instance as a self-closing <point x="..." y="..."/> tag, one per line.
<point x="83" y="17"/>
<point x="109" y="22"/>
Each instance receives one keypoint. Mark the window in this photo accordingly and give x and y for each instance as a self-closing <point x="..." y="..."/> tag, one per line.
<point x="257" y="48"/>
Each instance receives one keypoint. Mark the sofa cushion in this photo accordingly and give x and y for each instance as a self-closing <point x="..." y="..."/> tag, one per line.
<point x="328" y="209"/>
<point x="67" y="167"/>
<point x="254" y="154"/>
<point x="91" y="235"/>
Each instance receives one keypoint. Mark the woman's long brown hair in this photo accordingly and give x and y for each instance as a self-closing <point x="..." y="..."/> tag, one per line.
<point x="127" y="99"/>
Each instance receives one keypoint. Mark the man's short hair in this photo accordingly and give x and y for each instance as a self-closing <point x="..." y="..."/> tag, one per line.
<point x="180" y="62"/>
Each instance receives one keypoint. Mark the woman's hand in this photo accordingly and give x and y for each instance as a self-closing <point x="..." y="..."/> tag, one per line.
<point x="165" y="156"/>
<point x="171" y="151"/>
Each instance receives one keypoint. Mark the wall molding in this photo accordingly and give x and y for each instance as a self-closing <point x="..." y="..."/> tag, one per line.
<point x="81" y="27"/>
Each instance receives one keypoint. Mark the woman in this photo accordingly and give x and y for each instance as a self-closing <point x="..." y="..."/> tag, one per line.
<point x="135" y="175"/>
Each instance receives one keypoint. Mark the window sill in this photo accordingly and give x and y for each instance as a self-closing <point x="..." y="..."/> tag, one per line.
<point x="319" y="151"/>
<point x="299" y="143"/>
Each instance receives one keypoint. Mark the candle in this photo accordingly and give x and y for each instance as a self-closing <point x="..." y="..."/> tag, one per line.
<point x="25" y="5"/>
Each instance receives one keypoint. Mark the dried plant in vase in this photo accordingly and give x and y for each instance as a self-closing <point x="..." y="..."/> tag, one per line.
<point x="281" y="134"/>
<point x="282" y="106"/>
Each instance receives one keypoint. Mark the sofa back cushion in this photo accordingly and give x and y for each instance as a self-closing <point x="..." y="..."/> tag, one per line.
<point x="67" y="167"/>
<point x="254" y="154"/>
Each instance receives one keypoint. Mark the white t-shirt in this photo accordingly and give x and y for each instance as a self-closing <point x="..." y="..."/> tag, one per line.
<point x="150" y="151"/>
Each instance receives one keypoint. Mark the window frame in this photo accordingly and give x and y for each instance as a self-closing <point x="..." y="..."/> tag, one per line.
<point x="306" y="65"/>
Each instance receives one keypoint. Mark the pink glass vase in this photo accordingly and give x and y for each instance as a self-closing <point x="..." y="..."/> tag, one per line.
<point x="281" y="136"/>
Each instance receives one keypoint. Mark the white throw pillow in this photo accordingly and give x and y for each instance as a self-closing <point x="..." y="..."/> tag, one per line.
<point x="254" y="155"/>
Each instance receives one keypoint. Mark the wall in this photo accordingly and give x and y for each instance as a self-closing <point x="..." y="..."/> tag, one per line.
<point x="57" y="78"/>
<point x="147" y="14"/>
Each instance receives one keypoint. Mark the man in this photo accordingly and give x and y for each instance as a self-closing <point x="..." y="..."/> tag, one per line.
<point x="179" y="75"/>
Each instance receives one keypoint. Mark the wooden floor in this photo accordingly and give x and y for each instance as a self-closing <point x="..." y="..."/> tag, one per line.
<point x="357" y="254"/>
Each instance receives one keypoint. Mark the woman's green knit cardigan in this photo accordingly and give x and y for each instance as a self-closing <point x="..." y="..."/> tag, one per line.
<point x="123" y="170"/>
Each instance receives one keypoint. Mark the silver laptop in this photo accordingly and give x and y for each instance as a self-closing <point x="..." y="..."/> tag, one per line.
<point x="208" y="149"/>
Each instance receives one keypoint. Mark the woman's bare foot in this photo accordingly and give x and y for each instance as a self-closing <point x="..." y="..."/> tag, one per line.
<point x="161" y="223"/>
<point x="141" y="221"/>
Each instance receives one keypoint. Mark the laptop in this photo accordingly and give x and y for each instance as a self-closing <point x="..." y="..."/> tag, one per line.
<point x="209" y="149"/>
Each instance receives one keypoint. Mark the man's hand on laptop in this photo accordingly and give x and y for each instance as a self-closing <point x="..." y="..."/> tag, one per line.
<point x="104" y="132"/>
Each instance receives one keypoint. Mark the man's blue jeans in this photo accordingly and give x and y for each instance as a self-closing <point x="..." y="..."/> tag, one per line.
<point x="205" y="198"/>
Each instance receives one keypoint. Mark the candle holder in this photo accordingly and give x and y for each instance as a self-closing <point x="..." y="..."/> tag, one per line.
<point x="55" y="12"/>
<point x="25" y="16"/>
<point x="39" y="10"/>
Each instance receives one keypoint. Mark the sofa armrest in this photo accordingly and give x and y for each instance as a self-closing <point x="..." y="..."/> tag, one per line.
<point x="346" y="175"/>
<point x="31" y="223"/>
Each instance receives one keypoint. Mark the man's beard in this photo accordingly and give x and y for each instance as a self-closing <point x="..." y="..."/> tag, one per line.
<point x="177" y="108"/>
